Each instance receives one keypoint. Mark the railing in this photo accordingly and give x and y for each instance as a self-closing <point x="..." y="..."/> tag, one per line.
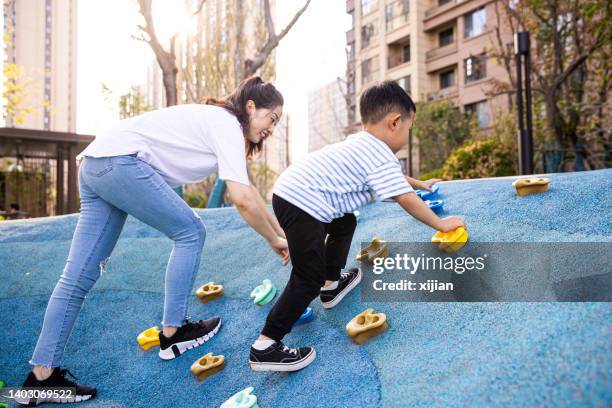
<point x="350" y="6"/>
<point x="450" y="92"/>
<point x="395" y="60"/>
<point x="350" y="36"/>
<point x="441" y="51"/>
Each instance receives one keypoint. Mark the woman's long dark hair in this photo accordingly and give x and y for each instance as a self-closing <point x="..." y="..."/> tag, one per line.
<point x="263" y="94"/>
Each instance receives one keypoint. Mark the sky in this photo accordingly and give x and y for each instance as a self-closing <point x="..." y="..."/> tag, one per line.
<point x="310" y="56"/>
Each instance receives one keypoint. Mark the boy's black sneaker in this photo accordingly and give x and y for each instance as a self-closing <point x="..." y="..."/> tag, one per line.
<point x="56" y="389"/>
<point x="279" y="357"/>
<point x="188" y="336"/>
<point x="348" y="280"/>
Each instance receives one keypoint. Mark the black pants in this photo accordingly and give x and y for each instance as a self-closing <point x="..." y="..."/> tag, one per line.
<point x="315" y="259"/>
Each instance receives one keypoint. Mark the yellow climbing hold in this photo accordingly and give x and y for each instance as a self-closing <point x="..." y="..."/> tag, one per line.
<point x="451" y="241"/>
<point x="377" y="249"/>
<point x="531" y="185"/>
<point x="209" y="291"/>
<point x="366" y="325"/>
<point x="148" y="338"/>
<point x="208" y="365"/>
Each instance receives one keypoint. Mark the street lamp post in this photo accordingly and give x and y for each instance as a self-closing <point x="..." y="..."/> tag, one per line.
<point x="525" y="134"/>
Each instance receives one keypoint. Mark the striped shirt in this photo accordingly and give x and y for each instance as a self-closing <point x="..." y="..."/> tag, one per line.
<point x="342" y="177"/>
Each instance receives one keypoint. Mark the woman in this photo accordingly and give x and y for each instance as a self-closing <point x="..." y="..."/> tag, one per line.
<point x="132" y="169"/>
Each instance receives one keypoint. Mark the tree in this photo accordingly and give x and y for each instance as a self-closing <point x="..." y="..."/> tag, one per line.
<point x="251" y="65"/>
<point x="440" y="127"/>
<point x="167" y="59"/>
<point x="572" y="42"/>
<point x="16" y="93"/>
<point x="132" y="103"/>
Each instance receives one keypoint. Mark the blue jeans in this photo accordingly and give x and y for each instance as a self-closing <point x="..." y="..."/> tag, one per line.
<point x="111" y="188"/>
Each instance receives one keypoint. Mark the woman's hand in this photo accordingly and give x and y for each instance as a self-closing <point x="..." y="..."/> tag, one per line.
<point x="279" y="245"/>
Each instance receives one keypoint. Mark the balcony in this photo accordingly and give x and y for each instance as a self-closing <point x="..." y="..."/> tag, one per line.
<point x="350" y="36"/>
<point x="395" y="61"/>
<point x="450" y="92"/>
<point x="434" y="11"/>
<point x="441" y="52"/>
<point x="350" y="6"/>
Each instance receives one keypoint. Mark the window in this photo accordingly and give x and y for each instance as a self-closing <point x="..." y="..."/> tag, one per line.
<point x="396" y="14"/>
<point x="475" y="23"/>
<point x="350" y="50"/>
<point x="398" y="55"/>
<point x="446" y="37"/>
<point x="481" y="111"/>
<point x="475" y="68"/>
<point x="369" y="70"/>
<point x="368" y="32"/>
<point x="405" y="83"/>
<point x="367" y="6"/>
<point x="406" y="53"/>
<point x="447" y="79"/>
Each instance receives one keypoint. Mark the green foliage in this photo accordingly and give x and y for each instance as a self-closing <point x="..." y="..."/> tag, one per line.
<point x="440" y="127"/>
<point x="132" y="103"/>
<point x="481" y="158"/>
<point x="196" y="199"/>
<point x="437" y="173"/>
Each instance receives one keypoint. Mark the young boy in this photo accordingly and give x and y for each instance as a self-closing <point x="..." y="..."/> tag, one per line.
<point x="314" y="201"/>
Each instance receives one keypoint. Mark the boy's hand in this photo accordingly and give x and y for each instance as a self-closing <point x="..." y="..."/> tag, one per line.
<point x="451" y="223"/>
<point x="431" y="182"/>
<point x="279" y="245"/>
<point x="421" y="185"/>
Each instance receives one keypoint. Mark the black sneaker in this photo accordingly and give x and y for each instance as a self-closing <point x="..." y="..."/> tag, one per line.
<point x="188" y="336"/>
<point x="348" y="280"/>
<point x="279" y="357"/>
<point x="56" y="389"/>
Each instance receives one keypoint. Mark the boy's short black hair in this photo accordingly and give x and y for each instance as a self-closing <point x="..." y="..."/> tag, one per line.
<point x="379" y="100"/>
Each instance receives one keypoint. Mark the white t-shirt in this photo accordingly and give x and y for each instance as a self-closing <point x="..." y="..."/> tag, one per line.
<point x="183" y="143"/>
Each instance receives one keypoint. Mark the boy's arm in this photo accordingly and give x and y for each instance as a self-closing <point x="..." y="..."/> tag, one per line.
<point x="416" y="207"/>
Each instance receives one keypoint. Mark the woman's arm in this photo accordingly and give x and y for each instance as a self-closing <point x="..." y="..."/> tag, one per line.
<point x="270" y="217"/>
<point x="246" y="202"/>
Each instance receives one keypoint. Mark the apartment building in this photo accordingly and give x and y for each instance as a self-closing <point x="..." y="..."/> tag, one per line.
<point x="40" y="37"/>
<point x="326" y="114"/>
<point x="435" y="49"/>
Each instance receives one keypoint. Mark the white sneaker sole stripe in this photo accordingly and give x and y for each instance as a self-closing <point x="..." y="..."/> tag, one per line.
<point x="168" y="354"/>
<point x="338" y="299"/>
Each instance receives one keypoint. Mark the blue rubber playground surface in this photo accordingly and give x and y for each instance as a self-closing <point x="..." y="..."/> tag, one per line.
<point x="434" y="354"/>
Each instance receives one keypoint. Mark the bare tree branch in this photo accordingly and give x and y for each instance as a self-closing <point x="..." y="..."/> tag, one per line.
<point x="200" y="6"/>
<point x="253" y="64"/>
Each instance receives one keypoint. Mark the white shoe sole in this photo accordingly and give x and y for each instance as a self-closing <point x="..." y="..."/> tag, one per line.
<point x="179" y="348"/>
<point x="298" y="365"/>
<point x="347" y="290"/>
<point x="31" y="402"/>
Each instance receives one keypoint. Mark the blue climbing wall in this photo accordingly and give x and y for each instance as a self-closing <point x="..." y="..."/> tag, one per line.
<point x="434" y="354"/>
